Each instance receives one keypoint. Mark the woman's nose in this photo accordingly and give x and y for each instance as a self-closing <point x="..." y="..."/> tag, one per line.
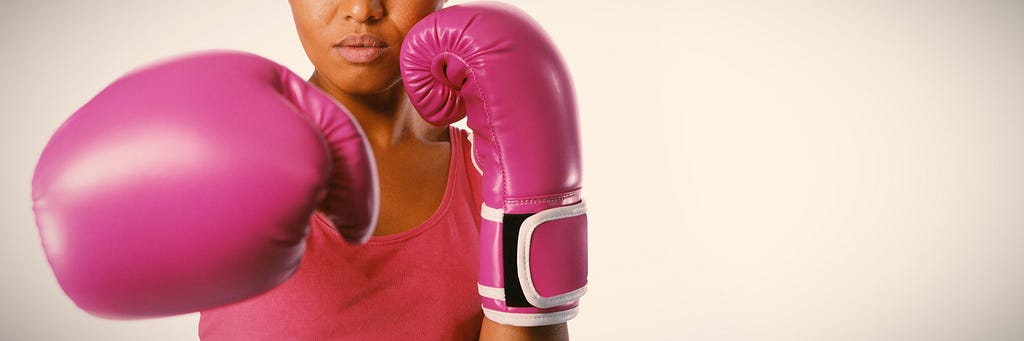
<point x="362" y="11"/>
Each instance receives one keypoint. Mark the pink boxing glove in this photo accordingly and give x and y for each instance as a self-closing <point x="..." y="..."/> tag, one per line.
<point x="494" y="64"/>
<point x="189" y="184"/>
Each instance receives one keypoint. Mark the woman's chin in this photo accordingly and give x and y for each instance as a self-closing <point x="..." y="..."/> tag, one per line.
<point x="357" y="83"/>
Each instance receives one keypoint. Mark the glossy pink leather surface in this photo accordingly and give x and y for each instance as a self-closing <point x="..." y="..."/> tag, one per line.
<point x="490" y="254"/>
<point x="494" y="62"/>
<point x="559" y="251"/>
<point x="189" y="184"/>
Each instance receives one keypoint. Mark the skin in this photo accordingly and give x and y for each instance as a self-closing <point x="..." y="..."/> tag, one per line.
<point x="412" y="156"/>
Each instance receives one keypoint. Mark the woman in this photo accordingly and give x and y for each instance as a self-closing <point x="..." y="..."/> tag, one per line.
<point x="416" y="278"/>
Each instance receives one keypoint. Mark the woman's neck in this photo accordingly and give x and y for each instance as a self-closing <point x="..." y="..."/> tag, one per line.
<point x="388" y="118"/>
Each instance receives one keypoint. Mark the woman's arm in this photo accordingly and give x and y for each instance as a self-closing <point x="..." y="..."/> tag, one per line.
<point x="493" y="331"/>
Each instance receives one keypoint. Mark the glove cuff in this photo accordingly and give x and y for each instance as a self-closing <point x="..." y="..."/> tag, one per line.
<point x="543" y="264"/>
<point x="530" y="317"/>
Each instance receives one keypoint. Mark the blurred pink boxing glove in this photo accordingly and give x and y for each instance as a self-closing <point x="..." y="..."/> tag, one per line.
<point x="189" y="184"/>
<point x="495" y="64"/>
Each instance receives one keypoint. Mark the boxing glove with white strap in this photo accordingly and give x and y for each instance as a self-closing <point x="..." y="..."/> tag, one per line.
<point x="190" y="184"/>
<point x="494" y="64"/>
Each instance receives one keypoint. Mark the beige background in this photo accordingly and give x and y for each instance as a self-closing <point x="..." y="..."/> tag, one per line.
<point x="756" y="170"/>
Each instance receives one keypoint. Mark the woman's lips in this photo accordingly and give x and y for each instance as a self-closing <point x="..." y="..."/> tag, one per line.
<point x="361" y="48"/>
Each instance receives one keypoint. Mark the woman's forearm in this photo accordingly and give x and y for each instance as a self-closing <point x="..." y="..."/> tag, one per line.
<point x="493" y="331"/>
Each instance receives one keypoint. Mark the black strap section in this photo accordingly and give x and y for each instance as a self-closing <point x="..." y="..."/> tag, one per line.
<point x="511" y="223"/>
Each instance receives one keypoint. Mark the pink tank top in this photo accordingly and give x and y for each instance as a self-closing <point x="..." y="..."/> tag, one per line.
<point x="415" y="285"/>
